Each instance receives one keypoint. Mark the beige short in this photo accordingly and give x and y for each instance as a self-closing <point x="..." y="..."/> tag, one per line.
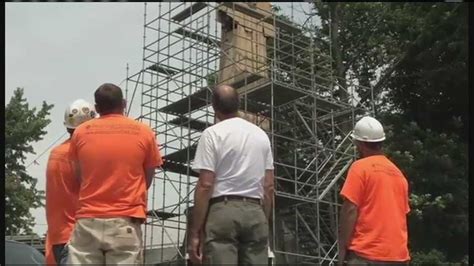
<point x="103" y="241"/>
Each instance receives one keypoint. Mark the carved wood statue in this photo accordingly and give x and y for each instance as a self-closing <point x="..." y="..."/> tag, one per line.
<point x="243" y="47"/>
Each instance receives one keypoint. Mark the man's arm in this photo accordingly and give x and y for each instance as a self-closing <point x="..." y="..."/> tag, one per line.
<point x="149" y="174"/>
<point x="153" y="158"/>
<point x="77" y="171"/>
<point x="348" y="218"/>
<point x="72" y="154"/>
<point x="202" y="194"/>
<point x="268" y="187"/>
<point x="204" y="163"/>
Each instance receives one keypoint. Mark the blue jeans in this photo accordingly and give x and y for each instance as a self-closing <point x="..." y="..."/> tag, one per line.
<point x="60" y="252"/>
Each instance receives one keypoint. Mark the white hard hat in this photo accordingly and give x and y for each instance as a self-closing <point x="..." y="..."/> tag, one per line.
<point x="368" y="129"/>
<point x="77" y="113"/>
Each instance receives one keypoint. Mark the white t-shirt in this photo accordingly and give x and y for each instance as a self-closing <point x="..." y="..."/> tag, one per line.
<point x="238" y="152"/>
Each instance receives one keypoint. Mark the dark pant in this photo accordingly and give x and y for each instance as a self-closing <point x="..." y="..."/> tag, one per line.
<point x="236" y="234"/>
<point x="356" y="260"/>
<point x="60" y="254"/>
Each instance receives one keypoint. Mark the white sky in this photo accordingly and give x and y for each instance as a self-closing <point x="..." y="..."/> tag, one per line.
<point x="59" y="52"/>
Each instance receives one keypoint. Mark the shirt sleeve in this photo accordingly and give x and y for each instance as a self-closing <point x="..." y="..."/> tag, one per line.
<point x="205" y="157"/>
<point x="153" y="156"/>
<point x="353" y="188"/>
<point x="407" y="198"/>
<point x="269" y="158"/>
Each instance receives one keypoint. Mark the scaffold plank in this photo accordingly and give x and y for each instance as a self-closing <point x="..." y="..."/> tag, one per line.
<point x="244" y="79"/>
<point x="281" y="94"/>
<point x="181" y="156"/>
<point x="202" y="97"/>
<point x="185" y="122"/>
<point x="326" y="105"/>
<point x="179" y="168"/>
<point x="197" y="37"/>
<point x="285" y="94"/>
<point x="338" y="115"/>
<point x="167" y="70"/>
<point x="194" y="101"/>
<point x="193" y="9"/>
<point x="162" y="214"/>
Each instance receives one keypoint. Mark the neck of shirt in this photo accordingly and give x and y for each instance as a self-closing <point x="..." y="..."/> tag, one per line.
<point x="374" y="154"/>
<point x="229" y="117"/>
<point x="111" y="115"/>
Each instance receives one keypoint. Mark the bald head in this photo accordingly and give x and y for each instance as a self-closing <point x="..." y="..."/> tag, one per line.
<point x="225" y="100"/>
<point x="109" y="99"/>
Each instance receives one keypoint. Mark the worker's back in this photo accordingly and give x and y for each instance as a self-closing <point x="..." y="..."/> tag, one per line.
<point x="242" y="153"/>
<point x="380" y="191"/>
<point x="62" y="190"/>
<point x="113" y="152"/>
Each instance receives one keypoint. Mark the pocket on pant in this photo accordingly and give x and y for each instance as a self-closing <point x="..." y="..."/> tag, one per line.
<point x="258" y="226"/>
<point x="127" y="232"/>
<point x="127" y="238"/>
<point x="220" y="222"/>
<point x="83" y="233"/>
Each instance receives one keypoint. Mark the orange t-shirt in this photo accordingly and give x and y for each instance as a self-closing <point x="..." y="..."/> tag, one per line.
<point x="62" y="192"/>
<point x="380" y="191"/>
<point x="113" y="152"/>
<point x="48" y="252"/>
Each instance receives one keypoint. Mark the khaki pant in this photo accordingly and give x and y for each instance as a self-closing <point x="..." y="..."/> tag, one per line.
<point x="355" y="260"/>
<point x="106" y="241"/>
<point x="236" y="234"/>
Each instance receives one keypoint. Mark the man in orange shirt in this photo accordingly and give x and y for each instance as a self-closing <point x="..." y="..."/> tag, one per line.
<point x="48" y="253"/>
<point x="115" y="159"/>
<point x="62" y="188"/>
<point x="373" y="216"/>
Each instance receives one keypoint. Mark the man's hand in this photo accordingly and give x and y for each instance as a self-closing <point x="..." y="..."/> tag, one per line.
<point x="202" y="194"/>
<point x="195" y="248"/>
<point x="149" y="174"/>
<point x="347" y="221"/>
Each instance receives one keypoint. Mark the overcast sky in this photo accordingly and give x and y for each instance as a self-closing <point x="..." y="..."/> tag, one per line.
<point x="59" y="52"/>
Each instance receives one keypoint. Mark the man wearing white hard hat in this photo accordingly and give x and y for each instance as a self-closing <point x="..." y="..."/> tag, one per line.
<point x="61" y="185"/>
<point x="373" y="221"/>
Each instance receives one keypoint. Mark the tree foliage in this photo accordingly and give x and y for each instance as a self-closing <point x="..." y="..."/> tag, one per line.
<point x="436" y="165"/>
<point x="430" y="84"/>
<point x="414" y="58"/>
<point x="23" y="126"/>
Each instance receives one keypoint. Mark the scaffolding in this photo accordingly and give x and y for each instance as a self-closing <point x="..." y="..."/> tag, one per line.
<point x="287" y="88"/>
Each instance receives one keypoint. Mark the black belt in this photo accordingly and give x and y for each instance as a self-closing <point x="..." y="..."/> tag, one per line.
<point x="235" y="198"/>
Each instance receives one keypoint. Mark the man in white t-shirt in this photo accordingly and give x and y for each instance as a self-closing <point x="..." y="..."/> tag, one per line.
<point x="234" y="194"/>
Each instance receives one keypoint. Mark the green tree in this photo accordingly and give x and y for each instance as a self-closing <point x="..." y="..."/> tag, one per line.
<point x="436" y="166"/>
<point x="432" y="258"/>
<point x="430" y="84"/>
<point x="414" y="57"/>
<point x="360" y="38"/>
<point x="23" y="126"/>
<point x="427" y="107"/>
